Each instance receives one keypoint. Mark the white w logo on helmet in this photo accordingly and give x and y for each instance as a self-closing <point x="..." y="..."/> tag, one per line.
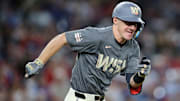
<point x="134" y="10"/>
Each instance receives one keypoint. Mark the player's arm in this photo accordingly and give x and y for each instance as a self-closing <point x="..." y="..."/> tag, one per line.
<point x="135" y="80"/>
<point x="51" y="48"/>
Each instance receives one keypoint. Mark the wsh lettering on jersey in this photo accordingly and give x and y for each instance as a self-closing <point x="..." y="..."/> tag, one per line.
<point x="112" y="65"/>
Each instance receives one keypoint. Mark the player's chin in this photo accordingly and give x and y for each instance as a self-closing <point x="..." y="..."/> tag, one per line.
<point x="128" y="37"/>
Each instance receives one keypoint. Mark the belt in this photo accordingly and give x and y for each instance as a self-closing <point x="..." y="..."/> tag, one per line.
<point x="82" y="96"/>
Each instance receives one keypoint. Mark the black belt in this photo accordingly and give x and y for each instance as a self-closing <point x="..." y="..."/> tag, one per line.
<point x="82" y="96"/>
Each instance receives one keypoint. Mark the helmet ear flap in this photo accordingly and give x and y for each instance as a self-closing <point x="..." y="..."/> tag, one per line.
<point x="138" y="26"/>
<point x="139" y="30"/>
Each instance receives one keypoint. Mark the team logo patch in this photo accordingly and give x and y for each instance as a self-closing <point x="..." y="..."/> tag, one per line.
<point x="134" y="10"/>
<point x="78" y="36"/>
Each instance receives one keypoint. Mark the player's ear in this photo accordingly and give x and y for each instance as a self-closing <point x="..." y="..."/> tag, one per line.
<point x="115" y="20"/>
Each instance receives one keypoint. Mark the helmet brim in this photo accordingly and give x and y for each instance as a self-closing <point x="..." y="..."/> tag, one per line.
<point x="132" y="19"/>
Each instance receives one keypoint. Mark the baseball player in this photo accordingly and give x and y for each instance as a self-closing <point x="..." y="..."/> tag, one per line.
<point x="102" y="54"/>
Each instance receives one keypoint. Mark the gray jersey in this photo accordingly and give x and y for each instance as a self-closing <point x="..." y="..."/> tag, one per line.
<point x="100" y="57"/>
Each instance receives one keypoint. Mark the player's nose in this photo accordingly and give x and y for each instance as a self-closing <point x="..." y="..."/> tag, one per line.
<point x="133" y="27"/>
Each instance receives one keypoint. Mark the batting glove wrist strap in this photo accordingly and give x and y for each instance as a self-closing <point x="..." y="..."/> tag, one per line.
<point x="140" y="74"/>
<point x="138" y="79"/>
<point x="39" y="62"/>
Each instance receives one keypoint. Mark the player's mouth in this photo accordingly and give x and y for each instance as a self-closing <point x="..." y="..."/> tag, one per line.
<point x="130" y="32"/>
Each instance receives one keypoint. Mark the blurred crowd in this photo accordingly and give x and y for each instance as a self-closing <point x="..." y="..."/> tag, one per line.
<point x="27" y="25"/>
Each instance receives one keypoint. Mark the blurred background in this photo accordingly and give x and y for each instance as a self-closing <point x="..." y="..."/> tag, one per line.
<point x="27" y="25"/>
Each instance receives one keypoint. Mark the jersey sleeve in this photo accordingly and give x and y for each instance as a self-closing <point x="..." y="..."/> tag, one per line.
<point x="132" y="67"/>
<point x="83" y="40"/>
<point x="133" y="59"/>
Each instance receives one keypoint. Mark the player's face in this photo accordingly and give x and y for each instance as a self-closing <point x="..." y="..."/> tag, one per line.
<point x="126" y="30"/>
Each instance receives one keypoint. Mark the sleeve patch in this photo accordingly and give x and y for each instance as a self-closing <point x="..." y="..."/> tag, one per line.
<point x="78" y="37"/>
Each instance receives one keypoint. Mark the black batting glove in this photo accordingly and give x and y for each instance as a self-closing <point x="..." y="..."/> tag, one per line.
<point x="144" y="67"/>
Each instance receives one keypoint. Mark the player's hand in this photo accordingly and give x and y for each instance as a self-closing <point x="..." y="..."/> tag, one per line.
<point x="144" y="67"/>
<point x="33" y="68"/>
